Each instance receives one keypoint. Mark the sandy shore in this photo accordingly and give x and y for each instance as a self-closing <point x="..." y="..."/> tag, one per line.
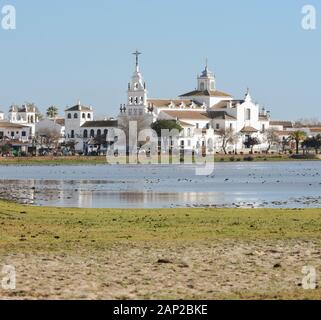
<point x="208" y="270"/>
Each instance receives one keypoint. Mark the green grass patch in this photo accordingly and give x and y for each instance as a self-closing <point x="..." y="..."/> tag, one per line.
<point x="61" y="228"/>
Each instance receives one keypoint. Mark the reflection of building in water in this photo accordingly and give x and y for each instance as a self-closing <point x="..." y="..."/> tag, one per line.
<point x="82" y="193"/>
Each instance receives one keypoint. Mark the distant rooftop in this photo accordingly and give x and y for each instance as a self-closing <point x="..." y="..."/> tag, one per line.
<point x="79" y="107"/>
<point x="208" y="93"/>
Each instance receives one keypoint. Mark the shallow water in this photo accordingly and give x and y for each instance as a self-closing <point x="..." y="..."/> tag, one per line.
<point x="270" y="184"/>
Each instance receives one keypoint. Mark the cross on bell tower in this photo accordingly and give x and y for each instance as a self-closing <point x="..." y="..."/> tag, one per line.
<point x="137" y="54"/>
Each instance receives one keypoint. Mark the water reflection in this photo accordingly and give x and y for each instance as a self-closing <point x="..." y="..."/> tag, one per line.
<point x="231" y="185"/>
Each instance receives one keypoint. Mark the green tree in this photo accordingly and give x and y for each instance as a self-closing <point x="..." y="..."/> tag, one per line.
<point x="312" y="143"/>
<point x="297" y="136"/>
<point x="160" y="125"/>
<point x="52" y="112"/>
<point x="5" y="149"/>
<point x="252" y="142"/>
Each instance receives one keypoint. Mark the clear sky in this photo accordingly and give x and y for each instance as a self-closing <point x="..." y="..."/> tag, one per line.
<point x="67" y="50"/>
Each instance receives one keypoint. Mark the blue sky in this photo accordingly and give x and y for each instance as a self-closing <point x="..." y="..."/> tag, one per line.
<point x="63" y="51"/>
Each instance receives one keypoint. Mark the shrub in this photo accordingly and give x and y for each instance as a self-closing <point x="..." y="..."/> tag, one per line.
<point x="303" y="156"/>
<point x="248" y="158"/>
<point x="232" y="159"/>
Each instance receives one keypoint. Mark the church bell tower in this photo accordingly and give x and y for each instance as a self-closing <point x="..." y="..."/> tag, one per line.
<point x="137" y="105"/>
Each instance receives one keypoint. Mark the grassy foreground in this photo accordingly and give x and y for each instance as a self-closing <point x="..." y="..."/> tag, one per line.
<point x="168" y="253"/>
<point x="87" y="160"/>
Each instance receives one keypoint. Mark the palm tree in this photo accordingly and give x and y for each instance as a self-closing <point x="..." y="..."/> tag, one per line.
<point x="52" y="112"/>
<point x="298" y="136"/>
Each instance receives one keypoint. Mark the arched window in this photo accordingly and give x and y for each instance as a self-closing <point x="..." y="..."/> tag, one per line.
<point x="88" y="115"/>
<point x="69" y="115"/>
<point x="83" y="115"/>
<point x="202" y="87"/>
<point x="98" y="132"/>
<point x="105" y="132"/>
<point x="136" y="100"/>
<point x="72" y="134"/>
<point x="85" y="133"/>
<point x="92" y="133"/>
<point x="76" y="116"/>
<point x="31" y="119"/>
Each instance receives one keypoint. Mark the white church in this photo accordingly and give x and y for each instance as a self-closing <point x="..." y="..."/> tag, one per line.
<point x="202" y="113"/>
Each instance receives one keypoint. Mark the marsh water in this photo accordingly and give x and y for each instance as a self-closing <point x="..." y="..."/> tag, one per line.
<point x="266" y="184"/>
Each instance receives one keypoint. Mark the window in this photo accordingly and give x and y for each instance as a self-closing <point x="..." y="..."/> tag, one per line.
<point x="72" y="134"/>
<point x="136" y="100"/>
<point x="12" y="134"/>
<point x="197" y="125"/>
<point x="131" y="100"/>
<point x="202" y="87"/>
<point x="98" y="132"/>
<point x="69" y="115"/>
<point x="92" y="133"/>
<point x="217" y="126"/>
<point x="105" y="132"/>
<point x="248" y="114"/>
<point x="231" y="126"/>
<point x="263" y="127"/>
<point x="83" y="115"/>
<point x="85" y="133"/>
<point x="189" y="132"/>
<point x="89" y="116"/>
<point x="136" y="86"/>
<point x="76" y="116"/>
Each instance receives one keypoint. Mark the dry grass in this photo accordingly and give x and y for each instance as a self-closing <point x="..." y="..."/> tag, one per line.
<point x="171" y="253"/>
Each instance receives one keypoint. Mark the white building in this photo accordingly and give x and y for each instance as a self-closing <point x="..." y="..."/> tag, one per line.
<point x="26" y="115"/>
<point x="13" y="131"/>
<point x="88" y="134"/>
<point x="75" y="117"/>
